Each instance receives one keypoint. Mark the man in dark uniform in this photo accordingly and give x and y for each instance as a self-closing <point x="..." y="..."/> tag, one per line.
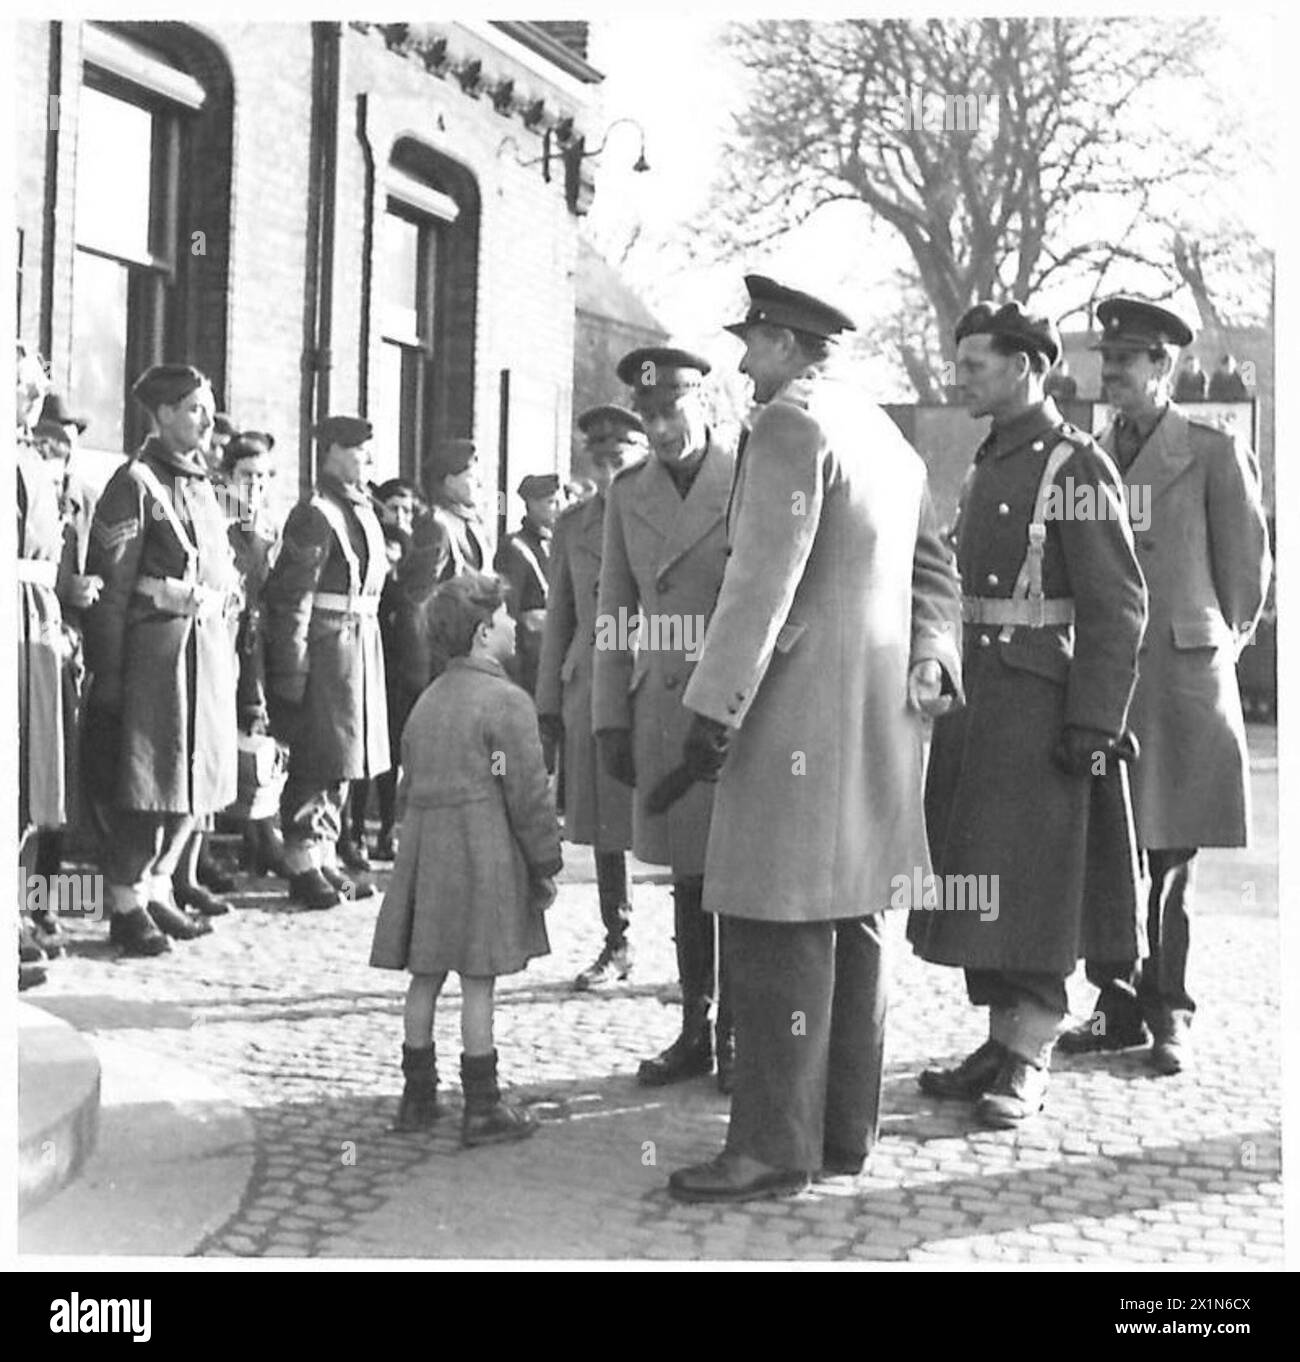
<point x="523" y="559"/>
<point x="662" y="558"/>
<point x="1202" y="540"/>
<point x="325" y="661"/>
<point x="597" y="808"/>
<point x="1026" y="804"/>
<point x="835" y="631"/>
<point x="160" y="726"/>
<point x="447" y="539"/>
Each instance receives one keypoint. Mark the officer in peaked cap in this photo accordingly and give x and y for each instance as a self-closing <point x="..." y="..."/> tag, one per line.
<point x="1203" y="546"/>
<point x="779" y="305"/>
<point x="597" y="808"/>
<point x="523" y="559"/>
<point x="324" y="660"/>
<point x="1025" y="782"/>
<point x="160" y="716"/>
<point x="664" y="550"/>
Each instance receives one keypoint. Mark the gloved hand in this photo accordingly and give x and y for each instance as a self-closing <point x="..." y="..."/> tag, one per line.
<point x="615" y="748"/>
<point x="707" y="744"/>
<point x="1077" y="750"/>
<point x="285" y="717"/>
<point x="551" y="727"/>
<point x="925" y="689"/>
<point x="542" y="892"/>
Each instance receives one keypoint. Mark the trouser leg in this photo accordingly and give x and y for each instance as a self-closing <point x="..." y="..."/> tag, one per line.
<point x="386" y="797"/>
<point x="693" y="933"/>
<point x="311" y="819"/>
<point x="612" y="888"/>
<point x="855" y="1063"/>
<point x="1162" y="981"/>
<point x="1026" y="1009"/>
<point x="142" y="852"/>
<point x="782" y="977"/>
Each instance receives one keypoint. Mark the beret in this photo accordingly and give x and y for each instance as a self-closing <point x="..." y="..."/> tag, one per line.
<point x="224" y="424"/>
<point x="661" y="366"/>
<point x="450" y="457"/>
<point x="1038" y="335"/>
<point x="348" y="431"/>
<point x="1129" y="323"/>
<point x="166" y="384"/>
<point x="56" y="409"/>
<point x="247" y="444"/>
<point x="537" y="485"/>
<point x="621" y="418"/>
<point x="779" y="305"/>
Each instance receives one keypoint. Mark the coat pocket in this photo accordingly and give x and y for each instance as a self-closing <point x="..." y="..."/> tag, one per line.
<point x="1207" y="630"/>
<point x="1045" y="653"/>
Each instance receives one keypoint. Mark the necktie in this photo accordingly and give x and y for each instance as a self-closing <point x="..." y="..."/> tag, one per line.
<point x="1128" y="442"/>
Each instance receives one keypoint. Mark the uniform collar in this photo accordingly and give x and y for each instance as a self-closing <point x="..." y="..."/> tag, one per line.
<point x="1025" y="426"/>
<point x="540" y="533"/>
<point x="468" y="513"/>
<point x="189" y="465"/>
<point x="1144" y="424"/>
<point x="342" y="491"/>
<point x="487" y="665"/>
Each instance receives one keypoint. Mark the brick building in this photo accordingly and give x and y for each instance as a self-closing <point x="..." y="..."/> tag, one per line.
<point x="345" y="217"/>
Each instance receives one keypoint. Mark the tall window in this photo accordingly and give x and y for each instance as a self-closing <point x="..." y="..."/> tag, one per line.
<point x="403" y="408"/>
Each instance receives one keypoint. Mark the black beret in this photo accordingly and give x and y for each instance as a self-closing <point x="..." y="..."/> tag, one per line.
<point x="779" y="305"/>
<point x="1038" y="335"/>
<point x="609" y="415"/>
<point x="224" y="424"/>
<point x="449" y="457"/>
<point x="167" y="384"/>
<point x="662" y="366"/>
<point x="56" y="409"/>
<point x="1129" y="323"/>
<point x="348" y="431"/>
<point x="537" y="485"/>
<point x="247" y="444"/>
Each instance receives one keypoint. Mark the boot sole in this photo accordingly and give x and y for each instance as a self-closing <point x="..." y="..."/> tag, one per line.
<point x="502" y="1137"/>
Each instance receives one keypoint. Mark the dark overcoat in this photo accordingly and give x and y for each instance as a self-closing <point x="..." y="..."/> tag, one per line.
<point x="167" y="675"/>
<point x="254" y="553"/>
<point x="329" y="660"/>
<point x="662" y="555"/>
<point x="523" y="560"/>
<point x="996" y="806"/>
<point x="597" y="809"/>
<point x="1202" y="540"/>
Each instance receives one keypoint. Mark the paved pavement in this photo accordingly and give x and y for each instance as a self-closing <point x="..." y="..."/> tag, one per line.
<point x="292" y="1046"/>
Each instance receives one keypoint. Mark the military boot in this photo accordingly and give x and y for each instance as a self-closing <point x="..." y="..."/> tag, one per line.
<point x="489" y="1119"/>
<point x="348" y="886"/>
<point x="613" y="962"/>
<point x="970" y="1079"/>
<point x="169" y="919"/>
<point x="689" y="1056"/>
<point x="419" y="1107"/>
<point x="1113" y="1026"/>
<point x="312" y="890"/>
<point x="1171" y="1052"/>
<point x="1017" y="1094"/>
<point x="132" y="931"/>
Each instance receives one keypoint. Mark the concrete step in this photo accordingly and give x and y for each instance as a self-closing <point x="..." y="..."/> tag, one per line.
<point x="58" y="1104"/>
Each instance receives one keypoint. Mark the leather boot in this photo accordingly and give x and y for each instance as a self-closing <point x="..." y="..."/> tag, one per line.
<point x="970" y="1079"/>
<point x="613" y="962"/>
<point x="1115" y="1024"/>
<point x="691" y="1054"/>
<point x="211" y="875"/>
<point x="488" y="1119"/>
<point x="132" y="931"/>
<point x="348" y="886"/>
<point x="1017" y="1094"/>
<point x="312" y="890"/>
<point x="202" y="900"/>
<point x="419" y="1107"/>
<point x="1171" y="1052"/>
<point x="175" y="923"/>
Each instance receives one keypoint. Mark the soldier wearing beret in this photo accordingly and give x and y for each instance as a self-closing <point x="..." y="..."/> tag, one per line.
<point x="664" y="550"/>
<point x="1203" y="547"/>
<point x="523" y="559"/>
<point x="325" y="661"/>
<point x="160" y="725"/>
<point x="448" y="538"/>
<point x="1026" y="801"/>
<point x="835" y="631"/>
<point x="597" y="808"/>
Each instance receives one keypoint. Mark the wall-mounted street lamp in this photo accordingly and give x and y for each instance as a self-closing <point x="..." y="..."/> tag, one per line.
<point x="560" y="144"/>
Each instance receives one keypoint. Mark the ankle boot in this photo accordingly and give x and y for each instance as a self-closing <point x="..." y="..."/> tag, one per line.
<point x="689" y="1056"/>
<point x="488" y="1119"/>
<point x="419" y="1107"/>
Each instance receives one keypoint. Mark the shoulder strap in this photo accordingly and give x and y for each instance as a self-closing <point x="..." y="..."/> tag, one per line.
<point x="1029" y="580"/>
<point x="337" y="522"/>
<point x="164" y="498"/>
<point x="531" y="559"/>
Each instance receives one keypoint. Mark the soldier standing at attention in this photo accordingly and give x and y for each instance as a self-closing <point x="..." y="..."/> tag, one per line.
<point x="523" y="560"/>
<point x="598" y="809"/>
<point x="1204" y="552"/>
<point x="159" y="644"/>
<point x="664" y="550"/>
<point x="325" y="661"/>
<point x="1024" y="793"/>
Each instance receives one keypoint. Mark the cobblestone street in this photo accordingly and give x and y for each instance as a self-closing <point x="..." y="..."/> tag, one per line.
<point x="278" y="1013"/>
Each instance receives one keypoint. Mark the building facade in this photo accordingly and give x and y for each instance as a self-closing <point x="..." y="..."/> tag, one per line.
<point x="379" y="219"/>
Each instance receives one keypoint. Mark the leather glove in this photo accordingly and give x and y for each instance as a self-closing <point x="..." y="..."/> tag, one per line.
<point x="1077" y="750"/>
<point x="707" y="744"/>
<point x="615" y="748"/>
<point x="551" y="727"/>
<point x="285" y="718"/>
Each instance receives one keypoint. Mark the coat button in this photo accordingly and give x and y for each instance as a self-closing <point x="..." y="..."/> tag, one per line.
<point x="992" y="579"/>
<point x="1037" y="446"/>
<point x="985" y="640"/>
<point x="1003" y="508"/>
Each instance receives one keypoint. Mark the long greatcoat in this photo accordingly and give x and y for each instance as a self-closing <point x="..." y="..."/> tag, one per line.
<point x="523" y="560"/>
<point x="665" y="555"/>
<point x="330" y="661"/>
<point x="597" y="809"/>
<point x="837" y="583"/>
<point x="1206" y="560"/>
<point x="167" y="734"/>
<point x="1056" y="848"/>
<point x="41" y="771"/>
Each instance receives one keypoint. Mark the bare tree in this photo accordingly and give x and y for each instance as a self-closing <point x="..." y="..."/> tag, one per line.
<point x="988" y="147"/>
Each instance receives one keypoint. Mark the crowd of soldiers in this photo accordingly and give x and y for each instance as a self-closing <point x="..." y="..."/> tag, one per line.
<point x="1072" y="677"/>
